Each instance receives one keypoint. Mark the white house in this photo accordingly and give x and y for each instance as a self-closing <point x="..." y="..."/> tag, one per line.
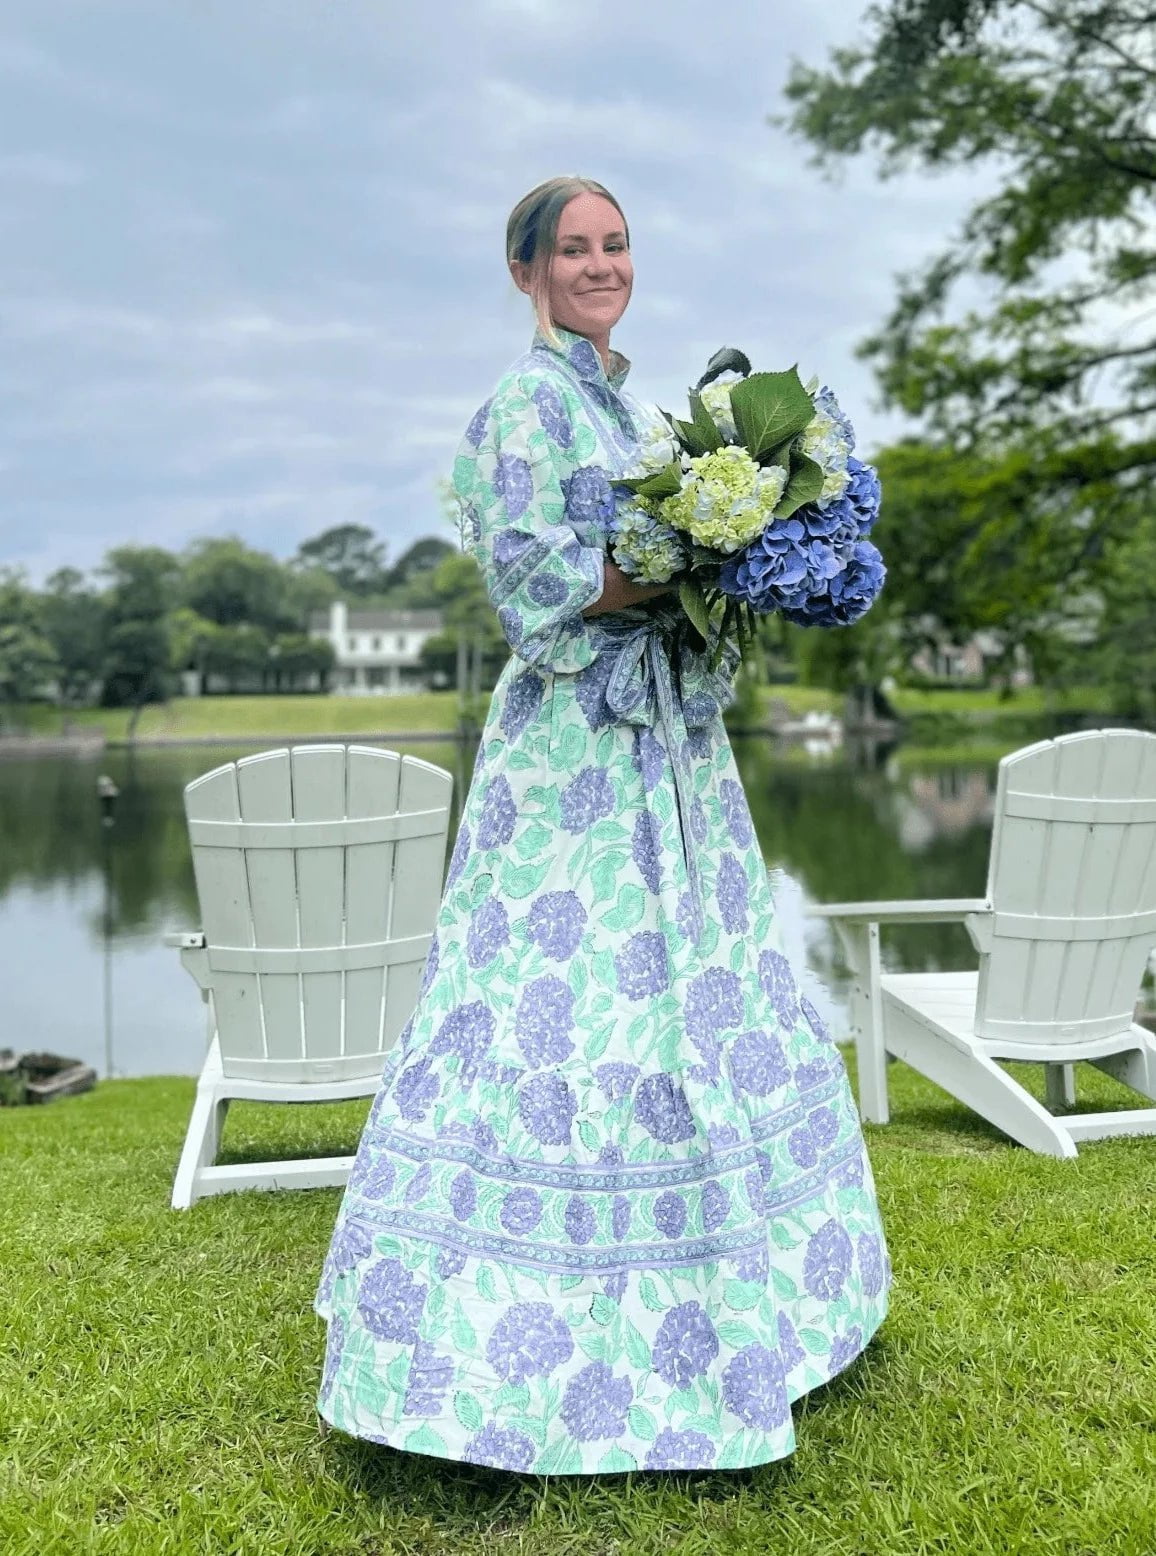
<point x="378" y="652"/>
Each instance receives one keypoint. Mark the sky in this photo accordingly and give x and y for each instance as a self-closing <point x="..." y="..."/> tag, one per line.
<point x="252" y="278"/>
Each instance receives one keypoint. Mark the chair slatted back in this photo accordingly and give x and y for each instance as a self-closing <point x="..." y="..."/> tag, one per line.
<point x="319" y="873"/>
<point x="1072" y="881"/>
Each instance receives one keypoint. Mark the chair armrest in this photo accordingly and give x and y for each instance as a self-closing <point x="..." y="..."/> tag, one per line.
<point x="185" y="939"/>
<point x="943" y="910"/>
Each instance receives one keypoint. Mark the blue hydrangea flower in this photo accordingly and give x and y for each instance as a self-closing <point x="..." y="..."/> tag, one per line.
<point x="698" y="822"/>
<point x="499" y="814"/>
<point x="714" y="1002"/>
<point x="552" y="415"/>
<point x="758" y="1063"/>
<point x="844" y="1351"/>
<point x="489" y="931"/>
<point x="698" y="742"/>
<point x="523" y="699"/>
<point x="732" y="894"/>
<point x="512" y="625"/>
<point x="514" y="484"/>
<point x="589" y="495"/>
<point x="643" y="965"/>
<point x="430" y="1375"/>
<point x="476" y="430"/>
<point x="482" y="1134"/>
<point x="595" y="1403"/>
<point x="778" y="984"/>
<point x="670" y="1214"/>
<point x="789" y="1348"/>
<point x="824" y="1124"/>
<point x="544" y="1020"/>
<point x="849" y="594"/>
<point x="501" y="1447"/>
<point x="827" y="1261"/>
<point x="614" y="1285"/>
<point x="616" y="1079"/>
<point x="755" y="1264"/>
<point x="547" y="589"/>
<point x="716" y="1205"/>
<point x="579" y="1220"/>
<point x="684" y="915"/>
<point x="850" y="1174"/>
<point x="813" y="1073"/>
<point x="459" y="855"/>
<point x="415" y="1089"/>
<point x="801" y="1145"/>
<point x="555" y="923"/>
<point x="529" y="1340"/>
<point x="418" y="1185"/>
<point x="352" y="1244"/>
<point x="769" y="569"/>
<point x="646" y="849"/>
<point x="685" y="1345"/>
<point x="620" y="1217"/>
<point x="610" y="1154"/>
<point x="590" y="691"/>
<point x="449" y="1262"/>
<point x="870" y="1257"/>
<point x="738" y="816"/>
<point x="755" y="1389"/>
<point x="863" y="494"/>
<point x="814" y="1020"/>
<point x="753" y="1179"/>
<point x="722" y="1135"/>
<point x="390" y="1301"/>
<point x="521" y="1211"/>
<point x="587" y="798"/>
<point x="547" y="1107"/>
<point x="335" y="1341"/>
<point x="430" y="971"/>
<point x="463" y="1195"/>
<point x="673" y="1450"/>
<point x="649" y="758"/>
<point x="467" y="1031"/>
<point x="661" y="1108"/>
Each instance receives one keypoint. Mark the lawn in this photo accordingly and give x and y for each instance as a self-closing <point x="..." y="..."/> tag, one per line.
<point x="189" y="718"/>
<point x="157" y="1392"/>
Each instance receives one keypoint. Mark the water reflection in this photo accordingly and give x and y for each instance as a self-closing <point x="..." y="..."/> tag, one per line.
<point x="837" y="826"/>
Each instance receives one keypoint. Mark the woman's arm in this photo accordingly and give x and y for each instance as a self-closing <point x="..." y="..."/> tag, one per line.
<point x="619" y="591"/>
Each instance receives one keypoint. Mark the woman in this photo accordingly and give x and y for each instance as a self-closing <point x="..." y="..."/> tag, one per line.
<point x="611" y="1209"/>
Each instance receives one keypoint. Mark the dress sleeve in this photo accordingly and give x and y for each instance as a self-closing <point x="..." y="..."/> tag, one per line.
<point x="540" y="575"/>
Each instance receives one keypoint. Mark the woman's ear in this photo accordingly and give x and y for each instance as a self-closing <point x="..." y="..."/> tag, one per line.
<point x="521" y="274"/>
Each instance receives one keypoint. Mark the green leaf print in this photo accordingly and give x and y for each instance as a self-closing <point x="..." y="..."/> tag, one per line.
<point x="570" y="1282"/>
<point x="708" y="945"/>
<point x="629" y="909"/>
<point x="604" y="970"/>
<point x="783" y="1284"/>
<point x="617" y="1459"/>
<point x="578" y="976"/>
<point x="595" y="1346"/>
<point x="397" y="1373"/>
<point x="642" y="1424"/>
<point x="523" y="880"/>
<point x="603" y="1310"/>
<point x="586" y="1130"/>
<point x="426" y="1440"/>
<point x="596" y="1046"/>
<point x="600" y="1004"/>
<point x="518" y="760"/>
<point x="604" y="880"/>
<point x="484" y="1281"/>
<point x="608" y="832"/>
<point x="531" y="842"/>
<point x="733" y="1453"/>
<point x="782" y="1237"/>
<point x="561" y="1458"/>
<point x="648" y="1291"/>
<point x="636" y="1347"/>
<point x="571" y="749"/>
<point x="741" y="1295"/>
<point x="734" y="1333"/>
<point x="467" y="1410"/>
<point x="585" y="443"/>
<point x="738" y="956"/>
<point x="815" y="1341"/>
<point x="516" y="1395"/>
<point x="463" y="1331"/>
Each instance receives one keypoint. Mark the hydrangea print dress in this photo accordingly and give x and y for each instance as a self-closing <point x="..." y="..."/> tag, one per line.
<point x="611" y="1208"/>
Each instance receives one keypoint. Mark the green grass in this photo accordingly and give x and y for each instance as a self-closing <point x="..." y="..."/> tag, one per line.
<point x="230" y="717"/>
<point x="159" y="1368"/>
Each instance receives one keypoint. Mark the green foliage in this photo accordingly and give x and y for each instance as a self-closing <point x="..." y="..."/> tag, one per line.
<point x="227" y="582"/>
<point x="352" y="556"/>
<point x="137" y="650"/>
<point x="73" y="618"/>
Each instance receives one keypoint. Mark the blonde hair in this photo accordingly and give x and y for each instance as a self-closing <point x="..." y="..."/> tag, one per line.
<point x="532" y="230"/>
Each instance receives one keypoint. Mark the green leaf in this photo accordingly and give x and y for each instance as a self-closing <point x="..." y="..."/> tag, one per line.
<point x="693" y="602"/>
<point x="733" y="1455"/>
<point x="397" y="1373"/>
<point x="425" y="1440"/>
<point x="805" y="485"/>
<point x="816" y="1341"/>
<point x="735" y="1333"/>
<point x="516" y="1395"/>
<point x="594" y="1345"/>
<point x="523" y="880"/>
<point x="604" y="879"/>
<point x="485" y="1283"/>
<point x="742" y="1294"/>
<point x="629" y="909"/>
<point x="467" y="1410"/>
<point x="603" y="1310"/>
<point x="596" y="1045"/>
<point x="705" y="429"/>
<point x="604" y="969"/>
<point x="782" y="1282"/>
<point x="666" y="482"/>
<point x="462" y="1330"/>
<point x="560" y="1458"/>
<point x="586" y="1130"/>
<point x="636" y="1347"/>
<point x="617" y="1459"/>
<point x="648" y="1291"/>
<point x="770" y="407"/>
<point x="642" y="1424"/>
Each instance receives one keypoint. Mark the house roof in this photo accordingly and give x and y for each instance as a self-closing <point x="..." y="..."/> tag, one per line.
<point x="380" y="621"/>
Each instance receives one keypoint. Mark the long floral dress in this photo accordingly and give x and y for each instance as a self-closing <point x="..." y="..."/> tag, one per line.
<point x="611" y="1208"/>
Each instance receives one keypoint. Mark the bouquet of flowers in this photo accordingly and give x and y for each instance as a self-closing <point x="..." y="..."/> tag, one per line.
<point x="757" y="504"/>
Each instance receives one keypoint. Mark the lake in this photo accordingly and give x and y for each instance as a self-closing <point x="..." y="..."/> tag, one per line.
<point x="852" y="825"/>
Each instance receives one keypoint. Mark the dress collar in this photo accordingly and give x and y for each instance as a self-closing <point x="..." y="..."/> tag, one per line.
<point x="583" y="358"/>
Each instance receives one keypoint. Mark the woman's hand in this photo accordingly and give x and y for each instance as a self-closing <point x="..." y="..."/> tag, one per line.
<point x="619" y="591"/>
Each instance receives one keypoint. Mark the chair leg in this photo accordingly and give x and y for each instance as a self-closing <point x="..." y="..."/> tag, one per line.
<point x="1136" y="1067"/>
<point x="861" y="947"/>
<point x="1060" y="1086"/>
<point x="203" y="1136"/>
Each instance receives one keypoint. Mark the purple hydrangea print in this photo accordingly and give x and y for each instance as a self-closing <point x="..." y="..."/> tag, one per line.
<point x="450" y="1262"/>
<point x="418" y="1185"/>
<point x="646" y="849"/>
<point x="811" y="1074"/>
<point x="661" y="1108"/>
<point x="499" y="815"/>
<point x="732" y="894"/>
<point x="547" y="589"/>
<point x="590" y="691"/>
<point x="620" y="1217"/>
<point x="579" y="1220"/>
<point x="335" y="1340"/>
<point x="595" y="1403"/>
<point x="850" y="1174"/>
<point x="431" y="965"/>
<point x="523" y="699"/>
<point x="512" y="625"/>
<point x="584" y="359"/>
<point x="521" y="1211"/>
<point x="827" y="1262"/>
<point x="616" y="1080"/>
<point x="673" y="1450"/>
<point x="378" y="1179"/>
<point x="529" y="1340"/>
<point x="778" y="984"/>
<point x="753" y="1179"/>
<point x="587" y="798"/>
<point x="513" y="483"/>
<point x="459" y="855"/>
<point x="463" y="1195"/>
<point x="510" y="544"/>
<point x="649" y="758"/>
<point x="501" y="1447"/>
<point x="547" y="1107"/>
<point x="489" y="931"/>
<point x="844" y="1351"/>
<point x="415" y="1089"/>
<point x="390" y="1301"/>
<point x="589" y="495"/>
<point x="685" y="1345"/>
<point x="766" y="1166"/>
<point x="722" y="1135"/>
<point x="789" y="1348"/>
<point x="555" y="923"/>
<point x="482" y="1134"/>
<point x="716" y="1205"/>
<point x="738" y="816"/>
<point x="614" y="1285"/>
<point x="611" y="1155"/>
<point x="698" y="821"/>
<point x="714" y="1002"/>
<point x="814" y="1019"/>
<point x="824" y="1124"/>
<point x="476" y="430"/>
<point x="684" y="916"/>
<point x="352" y="1244"/>
<point x="870" y="1263"/>
<point x="643" y="965"/>
<point x="801" y="1145"/>
<point x="698" y="742"/>
<point x="544" y="1020"/>
<point x="755" y="1389"/>
<point x="552" y="415"/>
<point x="467" y="1031"/>
<point x="758" y="1063"/>
<point x="754" y="1265"/>
<point x="670" y="1214"/>
<point x="430" y="1375"/>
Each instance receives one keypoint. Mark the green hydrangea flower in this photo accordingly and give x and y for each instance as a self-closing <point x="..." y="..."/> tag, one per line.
<point x="726" y="499"/>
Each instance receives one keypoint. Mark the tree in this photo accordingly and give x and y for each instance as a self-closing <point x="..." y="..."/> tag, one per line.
<point x="298" y="658"/>
<point x="27" y="661"/>
<point x="73" y="618"/>
<point x="239" y="655"/>
<point x="411" y="579"/>
<point x="471" y="633"/>
<point x="226" y="581"/>
<point x="143" y="581"/>
<point x="352" y="556"/>
<point x="1060" y="96"/>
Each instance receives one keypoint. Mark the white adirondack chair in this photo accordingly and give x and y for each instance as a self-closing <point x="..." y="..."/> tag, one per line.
<point x="1063" y="935"/>
<point x="319" y="873"/>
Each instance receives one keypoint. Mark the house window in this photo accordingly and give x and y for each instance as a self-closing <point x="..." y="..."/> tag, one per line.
<point x="401" y="643"/>
<point x="377" y="645"/>
<point x="353" y="645"/>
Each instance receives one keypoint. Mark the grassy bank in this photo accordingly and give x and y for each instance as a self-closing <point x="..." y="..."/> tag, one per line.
<point x="160" y="1368"/>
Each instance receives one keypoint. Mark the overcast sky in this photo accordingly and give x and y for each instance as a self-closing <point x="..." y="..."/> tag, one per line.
<point x="251" y="251"/>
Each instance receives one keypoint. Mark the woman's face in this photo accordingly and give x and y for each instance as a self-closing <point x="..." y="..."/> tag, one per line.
<point x="591" y="274"/>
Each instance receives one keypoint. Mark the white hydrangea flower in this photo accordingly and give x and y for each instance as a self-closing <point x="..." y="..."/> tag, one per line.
<point x="716" y="399"/>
